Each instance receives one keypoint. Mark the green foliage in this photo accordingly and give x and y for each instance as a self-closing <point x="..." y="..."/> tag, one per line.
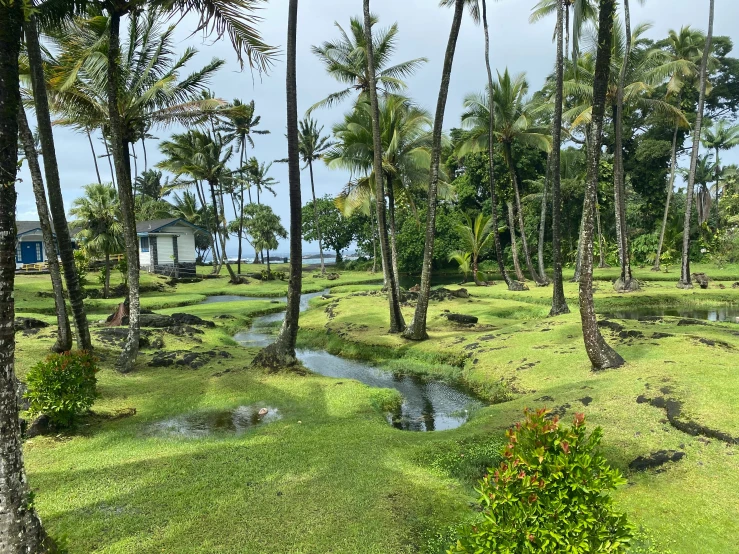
<point x="81" y="265"/>
<point x="551" y="494"/>
<point x="338" y="232"/>
<point x="63" y="387"/>
<point x="386" y="400"/>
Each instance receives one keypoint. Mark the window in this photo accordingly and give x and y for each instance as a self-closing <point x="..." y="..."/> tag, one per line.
<point x="144" y="244"/>
<point x="18" y="255"/>
<point x="38" y="252"/>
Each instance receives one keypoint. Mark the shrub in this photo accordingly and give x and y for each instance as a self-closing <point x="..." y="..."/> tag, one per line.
<point x="549" y="495"/>
<point x="62" y="387"/>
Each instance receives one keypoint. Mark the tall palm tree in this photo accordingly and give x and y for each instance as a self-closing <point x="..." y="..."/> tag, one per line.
<point x="704" y="171"/>
<point x="97" y="215"/>
<point x="20" y="528"/>
<point x="397" y="323"/>
<point x="203" y="157"/>
<point x="53" y="182"/>
<point x="417" y="328"/>
<point x="256" y="174"/>
<point x="513" y="123"/>
<point x="685" y="282"/>
<point x="313" y="147"/>
<point x="346" y="61"/>
<point x="720" y="136"/>
<point x="585" y="11"/>
<point x="241" y="123"/>
<point x="406" y="156"/>
<point x="282" y="352"/>
<point x="64" y="333"/>
<point x="682" y="49"/>
<point x="601" y="355"/>
<point x="476" y="237"/>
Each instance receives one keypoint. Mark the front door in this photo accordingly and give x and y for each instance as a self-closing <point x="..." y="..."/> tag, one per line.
<point x="31" y="253"/>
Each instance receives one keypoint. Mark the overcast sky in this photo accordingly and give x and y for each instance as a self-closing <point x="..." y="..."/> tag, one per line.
<point x="424" y="29"/>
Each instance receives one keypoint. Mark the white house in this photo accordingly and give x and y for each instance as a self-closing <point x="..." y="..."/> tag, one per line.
<point x="167" y="246"/>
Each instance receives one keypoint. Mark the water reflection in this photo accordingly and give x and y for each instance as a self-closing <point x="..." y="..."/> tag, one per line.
<point x="202" y="424"/>
<point x="726" y="313"/>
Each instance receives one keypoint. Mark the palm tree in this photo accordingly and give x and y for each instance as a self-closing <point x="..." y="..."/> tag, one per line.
<point x="406" y="156"/>
<point x="601" y="355"/>
<point x="264" y="228"/>
<point x="476" y="237"/>
<point x="684" y="281"/>
<point x="313" y="147"/>
<point x="240" y="124"/>
<point x="683" y="51"/>
<point x="346" y="61"/>
<point x="704" y="171"/>
<point x="256" y="175"/>
<point x="397" y="323"/>
<point x="464" y="259"/>
<point x="97" y="215"/>
<point x="203" y="157"/>
<point x="513" y="123"/>
<point x="64" y="333"/>
<point x="720" y="136"/>
<point x="20" y="528"/>
<point x="585" y="11"/>
<point x="53" y="182"/>
<point x="282" y="352"/>
<point x="417" y="328"/>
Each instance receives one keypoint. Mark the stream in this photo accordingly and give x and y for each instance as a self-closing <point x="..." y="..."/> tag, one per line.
<point x="428" y="405"/>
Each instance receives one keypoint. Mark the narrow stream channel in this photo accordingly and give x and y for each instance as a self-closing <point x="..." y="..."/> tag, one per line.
<point x="427" y="405"/>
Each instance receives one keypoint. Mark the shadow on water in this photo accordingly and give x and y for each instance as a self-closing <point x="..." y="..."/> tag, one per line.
<point x="202" y="424"/>
<point x="427" y="405"/>
<point x="726" y="313"/>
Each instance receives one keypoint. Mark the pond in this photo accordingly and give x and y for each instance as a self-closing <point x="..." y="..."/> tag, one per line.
<point x="211" y="422"/>
<point x="427" y="405"/>
<point x="725" y="313"/>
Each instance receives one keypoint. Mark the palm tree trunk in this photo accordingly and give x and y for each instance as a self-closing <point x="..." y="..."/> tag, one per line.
<point x="567" y="31"/>
<point x="391" y="226"/>
<point x="685" y="282"/>
<point x="578" y="259"/>
<point x="718" y="176"/>
<point x="282" y="352"/>
<point x="241" y="214"/>
<point x="514" y="244"/>
<point x="53" y="183"/>
<point x="417" y="328"/>
<point x="475" y="271"/>
<point x="517" y="286"/>
<point x="110" y="161"/>
<point x="20" y="528"/>
<point x="397" y="323"/>
<point x="122" y="163"/>
<point x="601" y="355"/>
<point x="601" y="243"/>
<point x="94" y="157"/>
<point x="559" y="302"/>
<point x="670" y="189"/>
<point x="625" y="283"/>
<point x="374" y="241"/>
<point x="517" y="195"/>
<point x="220" y="231"/>
<point x="315" y="215"/>
<point x="543" y="223"/>
<point x="64" y="333"/>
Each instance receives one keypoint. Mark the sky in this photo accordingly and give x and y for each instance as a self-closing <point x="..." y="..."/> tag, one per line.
<point x="424" y="29"/>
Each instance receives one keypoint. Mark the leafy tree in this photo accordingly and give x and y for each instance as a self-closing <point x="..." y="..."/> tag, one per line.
<point x="97" y="215"/>
<point x="321" y="217"/>
<point x="264" y="228"/>
<point x="346" y="61"/>
<point x="720" y="136"/>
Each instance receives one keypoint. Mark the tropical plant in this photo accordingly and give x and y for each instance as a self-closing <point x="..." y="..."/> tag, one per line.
<point x="514" y="122"/>
<point x="346" y="61"/>
<point x="476" y="237"/>
<point x="97" y="215"/>
<point x="464" y="259"/>
<point x="585" y="11"/>
<point x="324" y="217"/>
<point x="721" y="135"/>
<point x="417" y="329"/>
<point x="264" y="228"/>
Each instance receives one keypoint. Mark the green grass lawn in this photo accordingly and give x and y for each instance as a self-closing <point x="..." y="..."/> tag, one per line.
<point x="331" y="475"/>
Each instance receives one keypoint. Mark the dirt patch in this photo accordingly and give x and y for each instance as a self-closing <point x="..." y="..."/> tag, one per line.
<point x="658" y="336"/>
<point x="586" y="400"/>
<point x="656" y="459"/>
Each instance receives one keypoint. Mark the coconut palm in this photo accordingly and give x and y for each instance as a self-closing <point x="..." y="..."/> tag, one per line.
<point x="97" y="215"/>
<point x="346" y="61"/>
<point x="476" y="237"/>
<point x="720" y="136"/>
<point x="601" y="355"/>
<point x="685" y="281"/>
<point x="28" y="141"/>
<point x="406" y="155"/>
<point x="256" y="174"/>
<point x="313" y="147"/>
<point x="683" y="51"/>
<point x="513" y="123"/>
<point x="282" y="352"/>
<point x="464" y="260"/>
<point x="705" y="169"/>
<point x="202" y="157"/>
<point x="585" y="11"/>
<point x="417" y="328"/>
<point x="241" y="123"/>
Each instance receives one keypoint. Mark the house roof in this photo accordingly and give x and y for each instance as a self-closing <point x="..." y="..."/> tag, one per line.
<point x="157" y="225"/>
<point x="26" y="227"/>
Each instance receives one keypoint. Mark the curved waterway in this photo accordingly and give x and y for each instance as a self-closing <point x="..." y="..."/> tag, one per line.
<point x="427" y="405"/>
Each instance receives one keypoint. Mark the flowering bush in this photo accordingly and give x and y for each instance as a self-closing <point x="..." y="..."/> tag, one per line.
<point x="550" y="494"/>
<point x="62" y="387"/>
